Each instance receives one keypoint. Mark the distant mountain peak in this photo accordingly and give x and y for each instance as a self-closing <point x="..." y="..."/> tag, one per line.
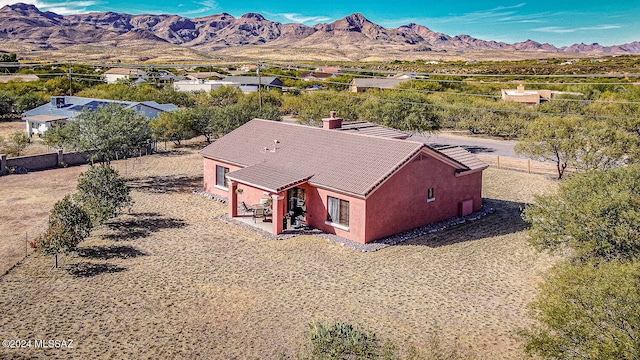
<point x="252" y="15"/>
<point x="25" y="24"/>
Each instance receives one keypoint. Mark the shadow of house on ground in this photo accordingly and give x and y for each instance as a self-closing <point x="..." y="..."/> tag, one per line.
<point x="110" y="252"/>
<point x="506" y="219"/>
<point x="85" y="270"/>
<point x="136" y="226"/>
<point x="166" y="184"/>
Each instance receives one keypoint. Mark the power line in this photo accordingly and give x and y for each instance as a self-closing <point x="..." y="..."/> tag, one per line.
<point x="422" y="76"/>
<point x="467" y="94"/>
<point x="487" y="109"/>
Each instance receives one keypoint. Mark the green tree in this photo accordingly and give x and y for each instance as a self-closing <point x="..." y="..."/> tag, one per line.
<point x="587" y="311"/>
<point x="203" y="120"/>
<point x="402" y="110"/>
<point x="29" y="101"/>
<point x="102" y="193"/>
<point x="582" y="143"/>
<point x="175" y="126"/>
<point x="111" y="131"/>
<point x="224" y="96"/>
<point x="318" y="105"/>
<point x="168" y="95"/>
<point x="59" y="86"/>
<point x="7" y="59"/>
<point x="551" y="139"/>
<point x="596" y="215"/>
<point x="58" y="136"/>
<point x="17" y="142"/>
<point x="69" y="224"/>
<point x="6" y="103"/>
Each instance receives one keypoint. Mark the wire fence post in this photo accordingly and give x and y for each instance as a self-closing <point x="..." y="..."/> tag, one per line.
<point x="26" y="243"/>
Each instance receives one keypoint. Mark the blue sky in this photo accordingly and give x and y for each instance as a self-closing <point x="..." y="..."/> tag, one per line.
<point x="557" y="22"/>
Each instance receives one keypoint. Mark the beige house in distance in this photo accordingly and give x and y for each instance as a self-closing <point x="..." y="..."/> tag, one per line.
<point x="359" y="85"/>
<point x="531" y="97"/>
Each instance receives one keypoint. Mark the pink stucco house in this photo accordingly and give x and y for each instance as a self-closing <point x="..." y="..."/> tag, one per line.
<point x="361" y="183"/>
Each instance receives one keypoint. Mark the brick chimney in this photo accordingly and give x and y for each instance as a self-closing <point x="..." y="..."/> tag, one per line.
<point x="332" y="123"/>
<point x="520" y="89"/>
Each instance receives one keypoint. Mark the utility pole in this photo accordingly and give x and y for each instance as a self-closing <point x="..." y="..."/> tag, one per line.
<point x="259" y="86"/>
<point x="70" y="82"/>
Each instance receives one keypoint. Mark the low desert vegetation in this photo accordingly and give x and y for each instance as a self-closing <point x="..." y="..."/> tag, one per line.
<point x="15" y="144"/>
<point x="339" y="341"/>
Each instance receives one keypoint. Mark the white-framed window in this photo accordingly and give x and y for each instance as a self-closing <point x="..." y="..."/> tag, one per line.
<point x="221" y="177"/>
<point x="431" y="195"/>
<point x="338" y="211"/>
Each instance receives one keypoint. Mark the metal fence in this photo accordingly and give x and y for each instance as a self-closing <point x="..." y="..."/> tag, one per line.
<point x="16" y="247"/>
<point x="526" y="165"/>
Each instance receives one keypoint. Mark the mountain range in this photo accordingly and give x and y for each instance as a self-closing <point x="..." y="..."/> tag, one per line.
<point x="26" y="24"/>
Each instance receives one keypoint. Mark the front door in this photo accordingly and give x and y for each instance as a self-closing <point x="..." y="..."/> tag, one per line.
<point x="297" y="204"/>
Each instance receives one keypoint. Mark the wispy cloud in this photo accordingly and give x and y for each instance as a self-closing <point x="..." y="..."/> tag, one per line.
<point x="63" y="8"/>
<point x="500" y="13"/>
<point x="299" y="18"/>
<point x="495" y="13"/>
<point x="205" y="6"/>
<point x="562" y="30"/>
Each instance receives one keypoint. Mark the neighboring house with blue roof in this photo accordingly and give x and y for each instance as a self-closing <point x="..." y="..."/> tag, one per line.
<point x="66" y="108"/>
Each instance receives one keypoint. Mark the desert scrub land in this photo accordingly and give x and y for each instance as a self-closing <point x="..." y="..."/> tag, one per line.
<point x="170" y="280"/>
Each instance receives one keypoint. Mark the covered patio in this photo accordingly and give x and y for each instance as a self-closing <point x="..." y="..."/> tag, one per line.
<point x="266" y="196"/>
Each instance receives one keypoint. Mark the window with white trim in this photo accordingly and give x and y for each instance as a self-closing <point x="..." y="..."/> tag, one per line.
<point x="221" y="176"/>
<point x="338" y="211"/>
<point x="431" y="195"/>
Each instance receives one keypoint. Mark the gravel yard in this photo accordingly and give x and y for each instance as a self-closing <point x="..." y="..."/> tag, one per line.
<point x="171" y="280"/>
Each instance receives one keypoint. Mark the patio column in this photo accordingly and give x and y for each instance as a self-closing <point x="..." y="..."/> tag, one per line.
<point x="233" y="199"/>
<point x="3" y="164"/>
<point x="278" y="206"/>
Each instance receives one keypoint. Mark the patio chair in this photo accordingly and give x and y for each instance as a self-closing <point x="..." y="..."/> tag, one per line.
<point x="258" y="213"/>
<point x="244" y="208"/>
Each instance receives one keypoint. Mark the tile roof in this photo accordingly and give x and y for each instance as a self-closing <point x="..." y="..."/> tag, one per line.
<point x="463" y="156"/>
<point x="252" y="80"/>
<point x="75" y="104"/>
<point x="368" y="128"/>
<point x="377" y="83"/>
<point x="124" y="71"/>
<point x="270" y="177"/>
<point x="339" y="160"/>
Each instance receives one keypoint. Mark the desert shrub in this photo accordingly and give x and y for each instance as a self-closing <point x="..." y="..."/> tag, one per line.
<point x="342" y="341"/>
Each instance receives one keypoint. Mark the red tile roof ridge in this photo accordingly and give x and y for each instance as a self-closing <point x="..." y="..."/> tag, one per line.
<point x="344" y="132"/>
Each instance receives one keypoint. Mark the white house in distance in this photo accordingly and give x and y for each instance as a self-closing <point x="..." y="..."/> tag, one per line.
<point x="199" y="85"/>
<point x="245" y="83"/>
<point x="113" y="75"/>
<point x="66" y="108"/>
